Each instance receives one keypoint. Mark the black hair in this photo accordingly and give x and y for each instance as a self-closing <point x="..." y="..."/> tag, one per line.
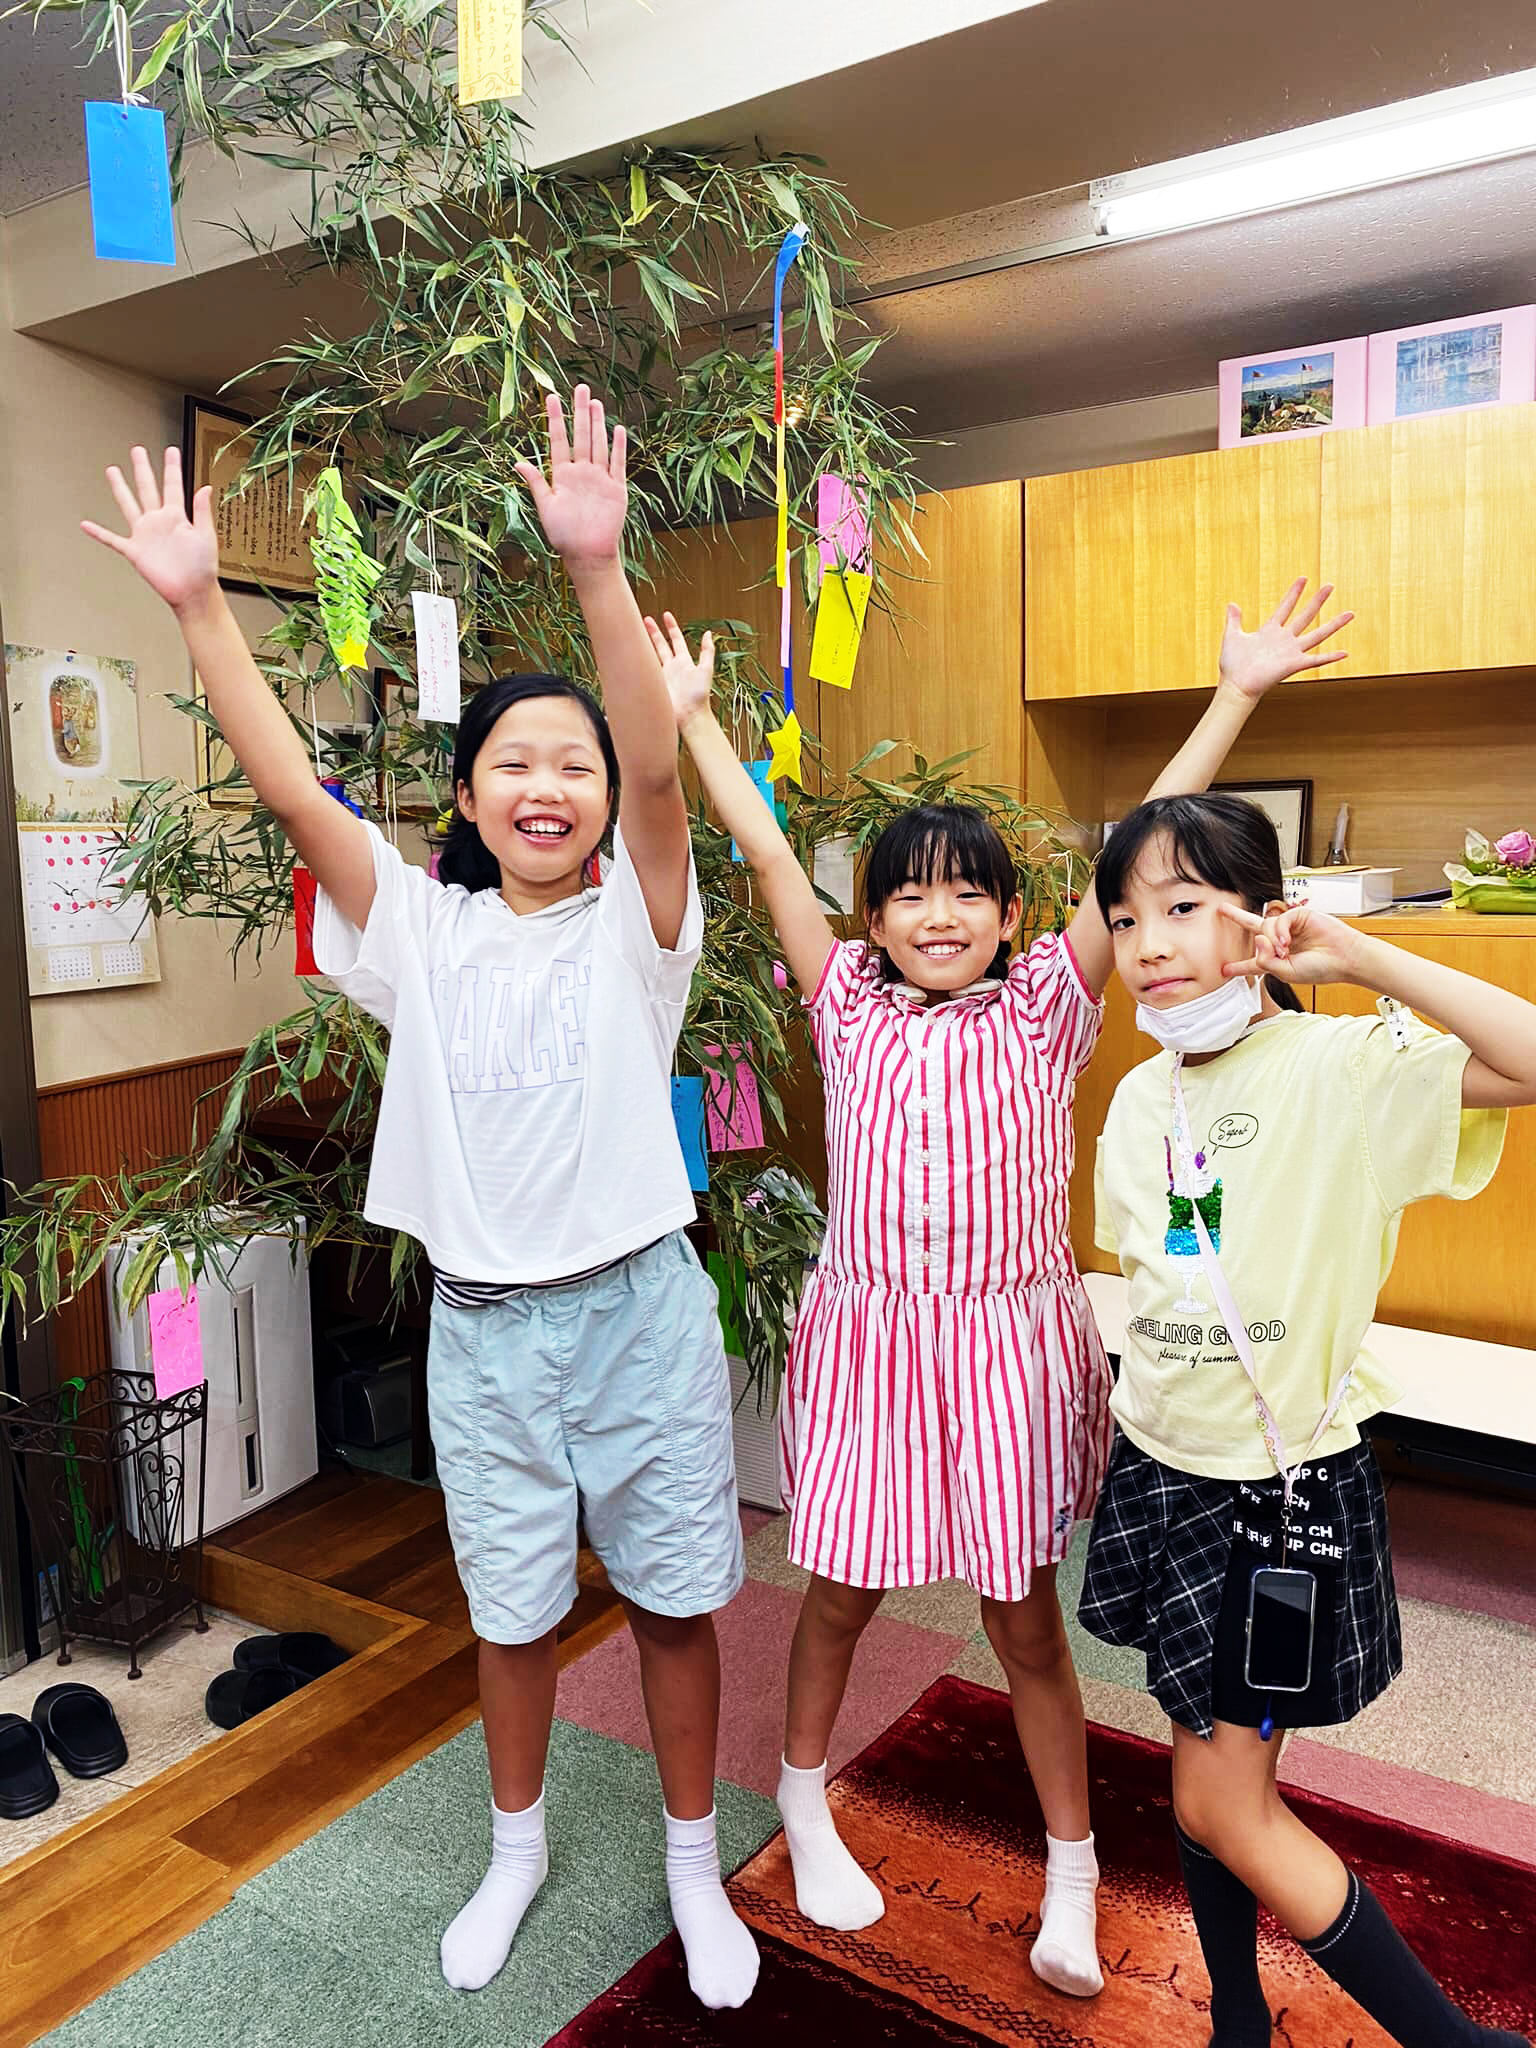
<point x="940" y="843"/>
<point x="1223" y="841"/>
<point x="465" y="857"/>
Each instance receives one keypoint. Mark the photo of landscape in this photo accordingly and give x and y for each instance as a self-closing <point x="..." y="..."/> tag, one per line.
<point x="1280" y="397"/>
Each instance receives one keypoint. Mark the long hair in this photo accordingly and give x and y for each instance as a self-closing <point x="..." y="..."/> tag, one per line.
<point x="940" y="843"/>
<point x="465" y="858"/>
<point x="1223" y="841"/>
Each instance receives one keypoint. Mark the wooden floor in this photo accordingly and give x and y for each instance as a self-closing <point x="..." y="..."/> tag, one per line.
<point x="365" y="1560"/>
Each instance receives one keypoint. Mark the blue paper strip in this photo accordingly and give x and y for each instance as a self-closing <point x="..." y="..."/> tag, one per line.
<point x="789" y="249"/>
<point x="688" y="1115"/>
<point x="758" y="770"/>
<point x="130" y="183"/>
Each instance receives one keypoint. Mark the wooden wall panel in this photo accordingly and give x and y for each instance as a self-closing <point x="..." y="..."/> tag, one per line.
<point x="947" y="671"/>
<point x="1417" y="760"/>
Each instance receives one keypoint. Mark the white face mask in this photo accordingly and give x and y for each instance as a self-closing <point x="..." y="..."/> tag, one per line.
<point x="1208" y="1023"/>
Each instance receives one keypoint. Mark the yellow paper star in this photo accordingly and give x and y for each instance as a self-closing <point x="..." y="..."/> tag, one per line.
<point x="784" y="760"/>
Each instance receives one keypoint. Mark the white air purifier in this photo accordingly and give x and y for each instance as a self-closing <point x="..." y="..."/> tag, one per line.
<point x="258" y="1356"/>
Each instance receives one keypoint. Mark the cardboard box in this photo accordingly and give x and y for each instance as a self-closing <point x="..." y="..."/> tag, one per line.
<point x="1342" y="892"/>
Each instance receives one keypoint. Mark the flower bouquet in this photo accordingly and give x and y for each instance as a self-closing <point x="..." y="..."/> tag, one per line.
<point x="1501" y="877"/>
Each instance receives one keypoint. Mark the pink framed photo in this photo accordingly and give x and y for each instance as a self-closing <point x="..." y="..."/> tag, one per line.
<point x="1290" y="393"/>
<point x="1454" y="365"/>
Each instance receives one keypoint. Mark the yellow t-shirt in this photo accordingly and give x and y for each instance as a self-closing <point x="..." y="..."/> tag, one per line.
<point x="1312" y="1135"/>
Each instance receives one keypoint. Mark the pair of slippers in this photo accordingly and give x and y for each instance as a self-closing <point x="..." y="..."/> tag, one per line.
<point x="268" y="1669"/>
<point x="76" y="1723"/>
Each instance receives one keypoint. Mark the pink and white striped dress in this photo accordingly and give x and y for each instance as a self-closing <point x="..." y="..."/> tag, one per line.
<point x="945" y="1408"/>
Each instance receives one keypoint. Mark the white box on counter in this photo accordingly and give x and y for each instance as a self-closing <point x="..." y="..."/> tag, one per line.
<point x="1342" y="892"/>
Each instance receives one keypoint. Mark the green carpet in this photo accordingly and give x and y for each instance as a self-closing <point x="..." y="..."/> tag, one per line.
<point x="335" y="1946"/>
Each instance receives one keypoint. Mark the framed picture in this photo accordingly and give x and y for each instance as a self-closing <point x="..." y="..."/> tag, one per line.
<point x="1454" y="365"/>
<point x="263" y="535"/>
<point x="1288" y="806"/>
<point x="1290" y="393"/>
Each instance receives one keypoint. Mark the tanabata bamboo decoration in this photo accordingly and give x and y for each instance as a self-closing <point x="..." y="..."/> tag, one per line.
<point x="345" y="572"/>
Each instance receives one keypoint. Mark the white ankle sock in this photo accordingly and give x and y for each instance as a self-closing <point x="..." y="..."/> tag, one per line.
<point x="477" y="1944"/>
<point x="722" y="1956"/>
<point x="1066" y="1953"/>
<point x="830" y="1888"/>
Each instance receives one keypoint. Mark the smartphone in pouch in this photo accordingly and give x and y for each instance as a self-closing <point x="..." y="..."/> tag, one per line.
<point x="1282" y="1615"/>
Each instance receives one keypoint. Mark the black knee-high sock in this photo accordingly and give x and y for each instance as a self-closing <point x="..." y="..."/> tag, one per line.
<point x="1227" y="1922"/>
<point x="1364" y="1953"/>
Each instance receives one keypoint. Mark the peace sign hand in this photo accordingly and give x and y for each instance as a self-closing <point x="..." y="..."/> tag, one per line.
<point x="1296" y="945"/>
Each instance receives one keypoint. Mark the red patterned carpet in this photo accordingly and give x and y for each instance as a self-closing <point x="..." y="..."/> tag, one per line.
<point x="941" y="1812"/>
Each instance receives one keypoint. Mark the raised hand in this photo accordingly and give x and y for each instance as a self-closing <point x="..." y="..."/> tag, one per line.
<point x="1297" y="945"/>
<point x="178" y="557"/>
<point x="581" y="503"/>
<point x="1283" y="646"/>
<point x="688" y="681"/>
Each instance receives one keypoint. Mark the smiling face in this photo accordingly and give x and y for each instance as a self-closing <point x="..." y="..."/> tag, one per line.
<point x="944" y="934"/>
<point x="1170" y="940"/>
<point x="539" y="798"/>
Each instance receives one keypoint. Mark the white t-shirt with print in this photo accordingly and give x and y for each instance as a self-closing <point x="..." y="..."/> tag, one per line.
<point x="525" y="1131"/>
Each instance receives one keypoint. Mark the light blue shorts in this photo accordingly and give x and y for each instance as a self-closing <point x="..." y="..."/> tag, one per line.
<point x="610" y="1394"/>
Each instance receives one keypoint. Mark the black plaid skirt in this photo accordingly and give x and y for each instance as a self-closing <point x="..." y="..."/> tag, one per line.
<point x="1158" y="1580"/>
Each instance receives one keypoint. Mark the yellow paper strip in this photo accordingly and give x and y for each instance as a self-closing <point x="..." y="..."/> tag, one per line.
<point x="840" y="613"/>
<point x="490" y="50"/>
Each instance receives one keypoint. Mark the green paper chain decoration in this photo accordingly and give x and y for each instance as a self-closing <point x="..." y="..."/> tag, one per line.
<point x="345" y="572"/>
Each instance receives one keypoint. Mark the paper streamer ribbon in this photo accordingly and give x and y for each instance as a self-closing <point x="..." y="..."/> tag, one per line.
<point x="789" y="249"/>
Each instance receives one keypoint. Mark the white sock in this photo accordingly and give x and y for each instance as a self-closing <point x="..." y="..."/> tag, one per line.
<point x="830" y="1888"/>
<point x="477" y="1944"/>
<point x="722" y="1956"/>
<point x="1066" y="1953"/>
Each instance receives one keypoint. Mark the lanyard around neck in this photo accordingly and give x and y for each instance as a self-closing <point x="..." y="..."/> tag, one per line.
<point x="1237" y="1329"/>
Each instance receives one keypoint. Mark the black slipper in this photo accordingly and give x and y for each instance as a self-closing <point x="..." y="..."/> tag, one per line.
<point x="27" y="1783"/>
<point x="303" y="1656"/>
<point x="236" y="1697"/>
<point x="79" y="1726"/>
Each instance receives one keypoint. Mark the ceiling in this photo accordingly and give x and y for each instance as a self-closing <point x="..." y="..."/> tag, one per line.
<point x="942" y="142"/>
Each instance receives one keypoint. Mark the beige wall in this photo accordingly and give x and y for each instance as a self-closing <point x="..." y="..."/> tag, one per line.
<point x="62" y="419"/>
<point x="1138" y="430"/>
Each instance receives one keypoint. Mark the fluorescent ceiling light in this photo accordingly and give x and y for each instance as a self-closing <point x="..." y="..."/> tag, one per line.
<point x="1468" y="125"/>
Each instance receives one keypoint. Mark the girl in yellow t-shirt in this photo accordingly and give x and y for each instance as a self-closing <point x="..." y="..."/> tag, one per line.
<point x="1251" y="1180"/>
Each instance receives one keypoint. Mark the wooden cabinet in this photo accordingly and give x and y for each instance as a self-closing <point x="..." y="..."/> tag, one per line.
<point x="1426" y="532"/>
<point x="1128" y="570"/>
<point x="1463" y="1268"/>
<point x="1422" y="526"/>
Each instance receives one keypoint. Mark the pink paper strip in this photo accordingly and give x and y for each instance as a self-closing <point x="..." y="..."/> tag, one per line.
<point x="732" y="1112"/>
<point x="175" y="1342"/>
<point x="842" y="524"/>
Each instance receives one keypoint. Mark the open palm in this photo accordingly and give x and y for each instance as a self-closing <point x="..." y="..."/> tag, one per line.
<point x="688" y="681"/>
<point x="581" y="502"/>
<point x="1285" y="645"/>
<point x="178" y="557"/>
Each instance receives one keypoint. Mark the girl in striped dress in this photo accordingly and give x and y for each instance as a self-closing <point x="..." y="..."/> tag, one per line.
<point x="945" y="1408"/>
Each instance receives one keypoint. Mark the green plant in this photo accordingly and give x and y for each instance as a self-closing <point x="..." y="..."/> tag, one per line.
<point x="479" y="284"/>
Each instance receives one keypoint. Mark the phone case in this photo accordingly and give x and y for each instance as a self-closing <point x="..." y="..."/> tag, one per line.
<point x="1294" y="1577"/>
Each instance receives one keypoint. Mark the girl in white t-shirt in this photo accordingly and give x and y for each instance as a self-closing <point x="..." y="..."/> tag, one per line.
<point x="525" y="1138"/>
<point x="1252" y="1178"/>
